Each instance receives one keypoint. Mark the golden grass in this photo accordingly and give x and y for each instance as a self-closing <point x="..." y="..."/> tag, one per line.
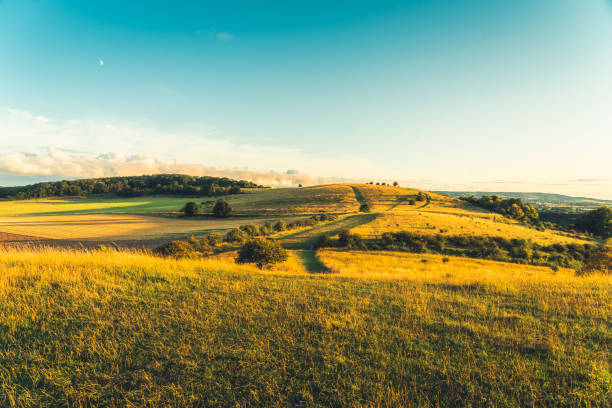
<point x="128" y="329"/>
<point x="431" y="223"/>
<point x="457" y="270"/>
<point x="335" y="198"/>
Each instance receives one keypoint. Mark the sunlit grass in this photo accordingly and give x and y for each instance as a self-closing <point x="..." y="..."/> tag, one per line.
<point x="128" y="329"/>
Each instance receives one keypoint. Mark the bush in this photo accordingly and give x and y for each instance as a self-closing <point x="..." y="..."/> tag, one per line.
<point x="235" y="235"/>
<point x="222" y="209"/>
<point x="323" y="241"/>
<point x="191" y="209"/>
<point x="445" y="259"/>
<point x="599" y="261"/>
<point x="350" y="241"/>
<point x="251" y="230"/>
<point x="213" y="238"/>
<point x="261" y="252"/>
<point x="280" y="226"/>
<point x="177" y="249"/>
<point x="364" y="208"/>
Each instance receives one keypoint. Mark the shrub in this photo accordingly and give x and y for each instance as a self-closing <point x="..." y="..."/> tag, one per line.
<point x="350" y="241"/>
<point x="261" y="252"/>
<point x="412" y="201"/>
<point x="395" y="184"/>
<point x="323" y="241"/>
<point x="599" y="261"/>
<point x="266" y="229"/>
<point x="364" y="208"/>
<point x="191" y="209"/>
<point x="280" y="226"/>
<point x="235" y="235"/>
<point x="222" y="209"/>
<point x="445" y="259"/>
<point x="177" y="249"/>
<point x="213" y="238"/>
<point x="251" y="230"/>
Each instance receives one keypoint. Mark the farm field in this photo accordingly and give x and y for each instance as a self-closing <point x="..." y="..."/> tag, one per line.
<point x="146" y="218"/>
<point x="67" y="206"/>
<point x="334" y="198"/>
<point x="93" y="328"/>
<point x="116" y="226"/>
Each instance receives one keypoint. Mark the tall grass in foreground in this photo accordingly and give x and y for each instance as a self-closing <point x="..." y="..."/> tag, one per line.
<point x="128" y="329"/>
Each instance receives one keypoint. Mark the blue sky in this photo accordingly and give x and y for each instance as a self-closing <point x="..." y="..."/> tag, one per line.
<point x="503" y="95"/>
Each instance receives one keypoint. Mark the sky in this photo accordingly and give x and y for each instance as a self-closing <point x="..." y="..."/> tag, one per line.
<point x="447" y="95"/>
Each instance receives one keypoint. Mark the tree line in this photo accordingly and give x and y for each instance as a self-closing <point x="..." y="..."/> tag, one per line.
<point x="131" y="186"/>
<point x="597" y="222"/>
<point x="509" y="207"/>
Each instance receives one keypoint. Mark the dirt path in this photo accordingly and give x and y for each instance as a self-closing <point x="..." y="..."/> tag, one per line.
<point x="305" y="239"/>
<point x="359" y="196"/>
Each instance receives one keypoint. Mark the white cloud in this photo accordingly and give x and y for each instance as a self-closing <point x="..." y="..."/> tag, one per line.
<point x="38" y="145"/>
<point x="63" y="164"/>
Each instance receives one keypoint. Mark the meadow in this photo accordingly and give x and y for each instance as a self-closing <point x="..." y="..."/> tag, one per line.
<point x="326" y="328"/>
<point x="92" y="328"/>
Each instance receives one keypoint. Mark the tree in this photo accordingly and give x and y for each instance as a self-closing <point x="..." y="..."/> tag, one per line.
<point x="598" y="222"/>
<point x="395" y="184"/>
<point x="516" y="212"/>
<point x="261" y="252"/>
<point x="191" y="209"/>
<point x="222" y="209"/>
<point x="364" y="207"/>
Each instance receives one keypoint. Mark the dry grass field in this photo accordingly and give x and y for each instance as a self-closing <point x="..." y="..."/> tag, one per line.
<point x="337" y="199"/>
<point x="131" y="218"/>
<point x="92" y="328"/>
<point x="116" y="226"/>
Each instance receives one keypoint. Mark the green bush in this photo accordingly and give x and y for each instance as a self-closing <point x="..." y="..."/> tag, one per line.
<point x="222" y="209"/>
<point x="213" y="239"/>
<point x="280" y="226"/>
<point x="261" y="252"/>
<point x="191" y="209"/>
<point x="235" y="235"/>
<point x="177" y="249"/>
<point x="323" y="241"/>
<point x="251" y="230"/>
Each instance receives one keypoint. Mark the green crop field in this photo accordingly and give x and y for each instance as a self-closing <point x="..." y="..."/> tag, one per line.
<point x="66" y="206"/>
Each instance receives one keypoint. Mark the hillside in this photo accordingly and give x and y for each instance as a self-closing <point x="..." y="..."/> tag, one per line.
<point x="539" y="199"/>
<point x="117" y="329"/>
<point x="152" y="219"/>
<point x="329" y="327"/>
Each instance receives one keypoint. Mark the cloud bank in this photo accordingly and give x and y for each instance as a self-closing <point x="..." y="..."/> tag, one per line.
<point x="65" y="165"/>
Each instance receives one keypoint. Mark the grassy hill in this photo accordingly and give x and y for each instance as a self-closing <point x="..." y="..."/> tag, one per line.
<point x="129" y="329"/>
<point x="145" y="218"/>
<point x="327" y="328"/>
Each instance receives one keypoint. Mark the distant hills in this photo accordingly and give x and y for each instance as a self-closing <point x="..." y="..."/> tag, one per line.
<point x="539" y="200"/>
